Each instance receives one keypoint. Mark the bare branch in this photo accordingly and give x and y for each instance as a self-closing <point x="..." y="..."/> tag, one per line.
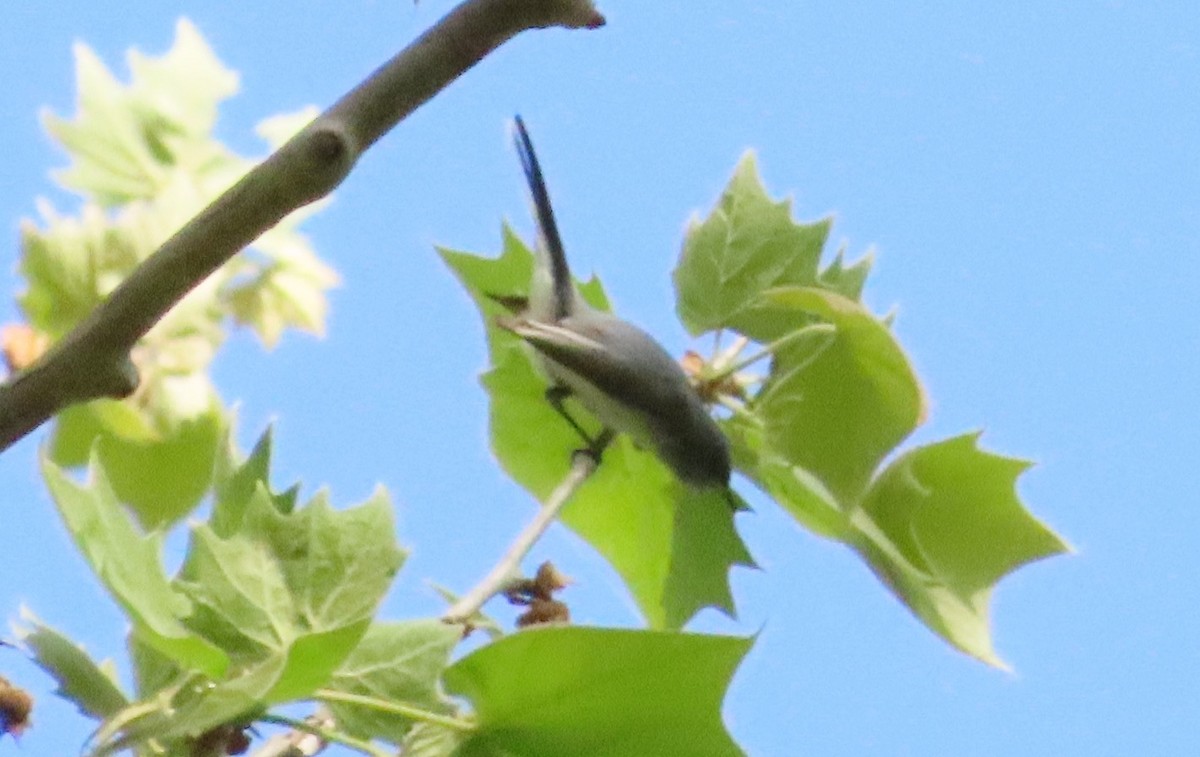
<point x="93" y="360"/>
<point x="507" y="569"/>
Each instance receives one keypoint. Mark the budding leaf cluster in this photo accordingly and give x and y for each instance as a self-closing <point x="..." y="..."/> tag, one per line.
<point x="143" y="160"/>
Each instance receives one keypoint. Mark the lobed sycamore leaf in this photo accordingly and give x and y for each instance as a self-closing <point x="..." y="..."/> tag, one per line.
<point x="160" y="475"/>
<point x="279" y="595"/>
<point x="236" y="480"/>
<point x="940" y="525"/>
<point x="395" y="662"/>
<point x="945" y="525"/>
<point x="747" y="245"/>
<point x="673" y="547"/>
<point x="299" y="586"/>
<point x="126" y="139"/>
<point x="591" y="691"/>
<point x="91" y="686"/>
<point x="129" y="565"/>
<point x="837" y="407"/>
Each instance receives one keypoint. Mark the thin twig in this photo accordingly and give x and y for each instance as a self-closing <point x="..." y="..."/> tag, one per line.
<point x="310" y="736"/>
<point x="300" y="741"/>
<point x="93" y="360"/>
<point x="508" y="567"/>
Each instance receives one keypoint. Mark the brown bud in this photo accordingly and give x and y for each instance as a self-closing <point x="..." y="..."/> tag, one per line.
<point x="543" y="612"/>
<point x="15" y="706"/>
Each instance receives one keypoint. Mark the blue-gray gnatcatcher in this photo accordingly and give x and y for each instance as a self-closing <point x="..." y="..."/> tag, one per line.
<point x="613" y="368"/>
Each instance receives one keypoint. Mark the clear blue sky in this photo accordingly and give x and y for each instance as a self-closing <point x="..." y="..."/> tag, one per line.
<point x="1031" y="180"/>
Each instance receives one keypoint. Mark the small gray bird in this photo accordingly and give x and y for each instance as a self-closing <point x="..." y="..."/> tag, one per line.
<point x="613" y="368"/>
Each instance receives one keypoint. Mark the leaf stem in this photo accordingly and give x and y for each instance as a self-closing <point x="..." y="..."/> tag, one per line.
<point x="289" y="745"/>
<point x="508" y="566"/>
<point x="394" y="708"/>
<point x="773" y="347"/>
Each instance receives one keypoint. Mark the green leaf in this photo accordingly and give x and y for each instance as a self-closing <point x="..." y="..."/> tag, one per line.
<point x="155" y="81"/>
<point x="299" y="586"/>
<point x="395" y="662"/>
<point x="90" y="686"/>
<point x="432" y="740"/>
<point x="748" y="244"/>
<point x="673" y="547"/>
<point x="237" y="699"/>
<point x="128" y="564"/>
<point x="287" y="593"/>
<point x="588" y="691"/>
<point x="152" y="670"/>
<point x="111" y="159"/>
<point x="174" y="717"/>
<point x="836" y="408"/>
<point x="160" y="474"/>
<point x="847" y="280"/>
<point x="58" y="265"/>
<point x="236" y="481"/>
<point x="125" y="139"/>
<point x="945" y="526"/>
<point x="798" y="491"/>
<point x="804" y="497"/>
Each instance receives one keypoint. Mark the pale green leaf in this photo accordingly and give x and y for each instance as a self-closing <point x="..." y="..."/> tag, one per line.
<point x="590" y="691"/>
<point x="129" y="565"/>
<point x="163" y="480"/>
<point x="300" y="586"/>
<point x="748" y="243"/>
<point x="91" y="686"/>
<point x="432" y="740"/>
<point x="836" y="409"/>
<point x="946" y="526"/>
<point x="236" y="480"/>
<point x="395" y="662"/>
<point x="156" y="82"/>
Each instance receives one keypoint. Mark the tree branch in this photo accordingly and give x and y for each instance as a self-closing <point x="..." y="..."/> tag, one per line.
<point x="93" y="360"/>
<point x="509" y="566"/>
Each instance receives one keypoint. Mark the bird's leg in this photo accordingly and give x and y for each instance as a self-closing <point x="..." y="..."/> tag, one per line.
<point x="556" y="396"/>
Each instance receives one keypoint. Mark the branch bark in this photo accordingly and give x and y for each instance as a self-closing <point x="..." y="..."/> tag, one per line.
<point x="93" y="361"/>
<point x="507" y="569"/>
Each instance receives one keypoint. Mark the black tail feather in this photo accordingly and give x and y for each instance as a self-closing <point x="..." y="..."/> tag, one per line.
<point x="559" y="272"/>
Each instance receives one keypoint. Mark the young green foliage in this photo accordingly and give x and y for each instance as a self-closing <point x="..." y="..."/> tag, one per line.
<point x="747" y="245"/>
<point x="673" y="547"/>
<point x="941" y="524"/>
<point x="395" y="662"/>
<point x="271" y="601"/>
<point x="144" y="160"/>
<point x="129" y="564"/>
<point x="592" y="691"/>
